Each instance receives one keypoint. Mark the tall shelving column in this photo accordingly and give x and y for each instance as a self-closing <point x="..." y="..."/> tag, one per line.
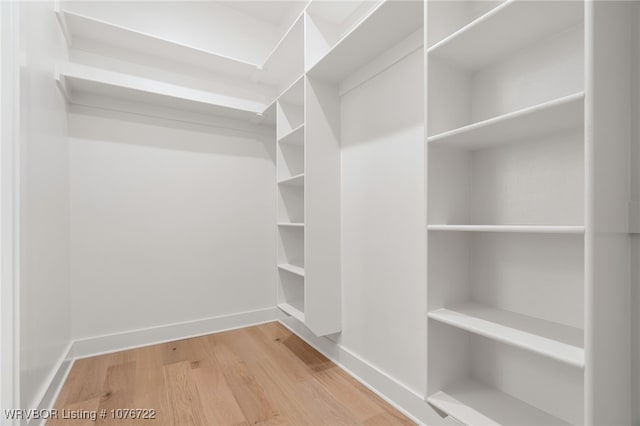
<point x="290" y="168"/>
<point x="528" y="190"/>
<point x="506" y="173"/>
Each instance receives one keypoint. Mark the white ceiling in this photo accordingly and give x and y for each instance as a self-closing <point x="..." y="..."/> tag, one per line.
<point x="274" y="12"/>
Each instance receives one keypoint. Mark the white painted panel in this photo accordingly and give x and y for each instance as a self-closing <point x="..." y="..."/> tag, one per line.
<point x="323" y="283"/>
<point x="383" y="218"/>
<point x="45" y="306"/>
<point x="608" y="124"/>
<point x="169" y="224"/>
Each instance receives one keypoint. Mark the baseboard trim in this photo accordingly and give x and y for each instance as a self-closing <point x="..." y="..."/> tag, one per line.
<point x="56" y="379"/>
<point x="405" y="400"/>
<point x="100" y="345"/>
<point x="84" y="348"/>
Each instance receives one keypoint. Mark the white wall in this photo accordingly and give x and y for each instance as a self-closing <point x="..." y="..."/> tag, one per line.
<point x="383" y="223"/>
<point x="45" y="308"/>
<point x="168" y="224"/>
<point x="235" y="34"/>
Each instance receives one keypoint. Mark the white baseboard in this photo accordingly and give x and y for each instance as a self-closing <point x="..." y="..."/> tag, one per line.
<point x="386" y="387"/>
<point x="100" y="345"/>
<point x="395" y="393"/>
<point x="93" y="346"/>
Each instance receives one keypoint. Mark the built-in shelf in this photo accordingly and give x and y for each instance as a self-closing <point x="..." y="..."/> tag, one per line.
<point x="472" y="403"/>
<point x="285" y="64"/>
<point x="82" y="84"/>
<point x="510" y="228"/>
<point x="484" y="40"/>
<point x="297" y="180"/>
<point x="297" y="270"/>
<point x="291" y="224"/>
<point x="385" y="26"/>
<point x="294" y="137"/>
<point x="289" y="309"/>
<point x="553" y="340"/>
<point x="546" y="118"/>
<point x="79" y="28"/>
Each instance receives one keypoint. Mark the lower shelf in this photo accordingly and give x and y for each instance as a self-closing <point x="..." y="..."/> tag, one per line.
<point x="472" y="403"/>
<point x="557" y="341"/>
<point x="291" y="310"/>
<point x="297" y="270"/>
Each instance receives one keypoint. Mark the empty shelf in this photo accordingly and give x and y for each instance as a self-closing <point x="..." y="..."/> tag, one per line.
<point x="472" y="403"/>
<point x="291" y="224"/>
<point x="290" y="310"/>
<point x="506" y="29"/>
<point x="294" y="137"/>
<point x="549" y="117"/>
<point x="285" y="64"/>
<point x="297" y="180"/>
<point x="553" y="340"/>
<point x="384" y="27"/>
<point x="79" y="28"/>
<point x="79" y="83"/>
<point x="510" y="228"/>
<point x="297" y="270"/>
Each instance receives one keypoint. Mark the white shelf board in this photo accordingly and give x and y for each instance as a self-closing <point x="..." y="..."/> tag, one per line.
<point x="284" y="66"/>
<point x="77" y="27"/>
<point x="472" y="403"/>
<point x="385" y="26"/>
<point x="291" y="224"/>
<point x="546" y="338"/>
<point x="546" y="118"/>
<point x="297" y="270"/>
<point x="294" y="137"/>
<point x="290" y="310"/>
<point x="77" y="80"/>
<point x="294" y="94"/>
<point x="510" y="228"/>
<point x="505" y="29"/>
<point x="297" y="180"/>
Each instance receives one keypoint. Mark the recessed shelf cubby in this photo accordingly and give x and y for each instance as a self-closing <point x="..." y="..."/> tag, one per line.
<point x="534" y="181"/>
<point x="542" y="70"/>
<point x="477" y="380"/>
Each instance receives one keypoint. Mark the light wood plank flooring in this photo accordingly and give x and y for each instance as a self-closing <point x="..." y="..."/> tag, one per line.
<point x="261" y="375"/>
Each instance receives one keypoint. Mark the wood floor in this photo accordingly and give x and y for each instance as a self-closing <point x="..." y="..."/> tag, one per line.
<point x="261" y="375"/>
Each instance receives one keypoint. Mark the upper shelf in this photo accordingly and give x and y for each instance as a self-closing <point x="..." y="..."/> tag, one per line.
<point x="78" y="28"/>
<point x="546" y="118"/>
<point x="79" y="83"/>
<point x="385" y="26"/>
<point x="285" y="63"/>
<point x="557" y="341"/>
<point x="483" y="41"/>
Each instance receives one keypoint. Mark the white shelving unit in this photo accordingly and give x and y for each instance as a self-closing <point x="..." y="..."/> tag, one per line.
<point x="513" y="165"/>
<point x="290" y="170"/>
<point x="86" y="85"/>
<point x="86" y="32"/>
